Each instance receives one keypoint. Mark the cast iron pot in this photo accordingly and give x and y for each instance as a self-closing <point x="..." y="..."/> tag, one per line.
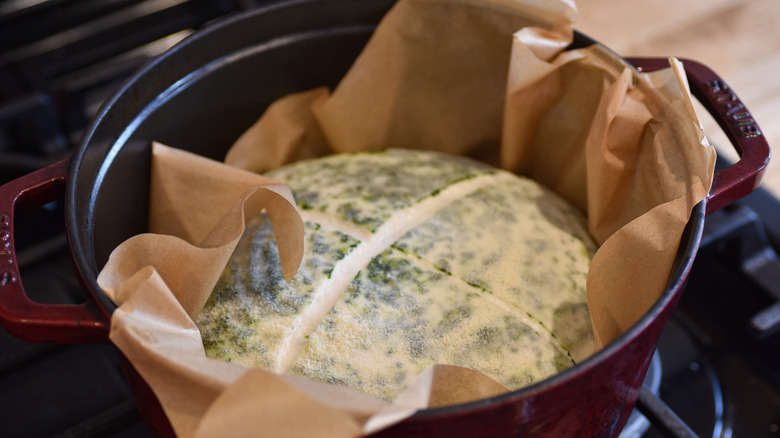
<point x="204" y="93"/>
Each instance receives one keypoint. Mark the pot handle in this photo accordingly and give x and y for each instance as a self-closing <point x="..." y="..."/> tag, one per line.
<point x="744" y="176"/>
<point x="21" y="317"/>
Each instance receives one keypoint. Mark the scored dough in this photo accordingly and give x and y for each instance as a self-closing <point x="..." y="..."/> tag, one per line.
<point x="411" y="258"/>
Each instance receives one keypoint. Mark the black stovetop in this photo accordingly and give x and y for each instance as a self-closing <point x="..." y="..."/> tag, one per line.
<point x="59" y="59"/>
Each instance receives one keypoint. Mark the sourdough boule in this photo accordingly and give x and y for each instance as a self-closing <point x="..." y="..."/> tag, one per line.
<point x="411" y="258"/>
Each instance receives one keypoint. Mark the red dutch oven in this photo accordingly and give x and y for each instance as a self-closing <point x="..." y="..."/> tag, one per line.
<point x="204" y="93"/>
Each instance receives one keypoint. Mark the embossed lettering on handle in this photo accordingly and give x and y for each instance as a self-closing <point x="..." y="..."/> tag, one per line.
<point x="7" y="276"/>
<point x="19" y="315"/>
<point x="739" y="125"/>
<point x="737" y="115"/>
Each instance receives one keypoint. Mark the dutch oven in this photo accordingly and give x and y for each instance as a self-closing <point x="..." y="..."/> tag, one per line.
<point x="188" y="96"/>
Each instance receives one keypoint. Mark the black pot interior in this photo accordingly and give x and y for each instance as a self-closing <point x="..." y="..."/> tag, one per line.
<point x="240" y="66"/>
<point x="203" y="94"/>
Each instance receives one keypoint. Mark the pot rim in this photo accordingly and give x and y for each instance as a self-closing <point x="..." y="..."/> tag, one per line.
<point x="84" y="257"/>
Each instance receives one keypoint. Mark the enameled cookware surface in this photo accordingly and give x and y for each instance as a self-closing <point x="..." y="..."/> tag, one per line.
<point x="205" y="92"/>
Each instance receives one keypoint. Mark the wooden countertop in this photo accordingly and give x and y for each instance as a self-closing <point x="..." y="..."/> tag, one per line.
<point x="738" y="39"/>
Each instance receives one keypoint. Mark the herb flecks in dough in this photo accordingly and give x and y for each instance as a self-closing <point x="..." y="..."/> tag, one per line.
<point x="412" y="258"/>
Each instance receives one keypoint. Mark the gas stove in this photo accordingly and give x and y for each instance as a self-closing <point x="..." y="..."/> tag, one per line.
<point x="716" y="372"/>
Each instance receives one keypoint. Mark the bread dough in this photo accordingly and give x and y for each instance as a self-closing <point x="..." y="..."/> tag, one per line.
<point x="411" y="258"/>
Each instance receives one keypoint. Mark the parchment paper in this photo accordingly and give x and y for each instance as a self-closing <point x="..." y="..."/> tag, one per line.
<point x="484" y="78"/>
